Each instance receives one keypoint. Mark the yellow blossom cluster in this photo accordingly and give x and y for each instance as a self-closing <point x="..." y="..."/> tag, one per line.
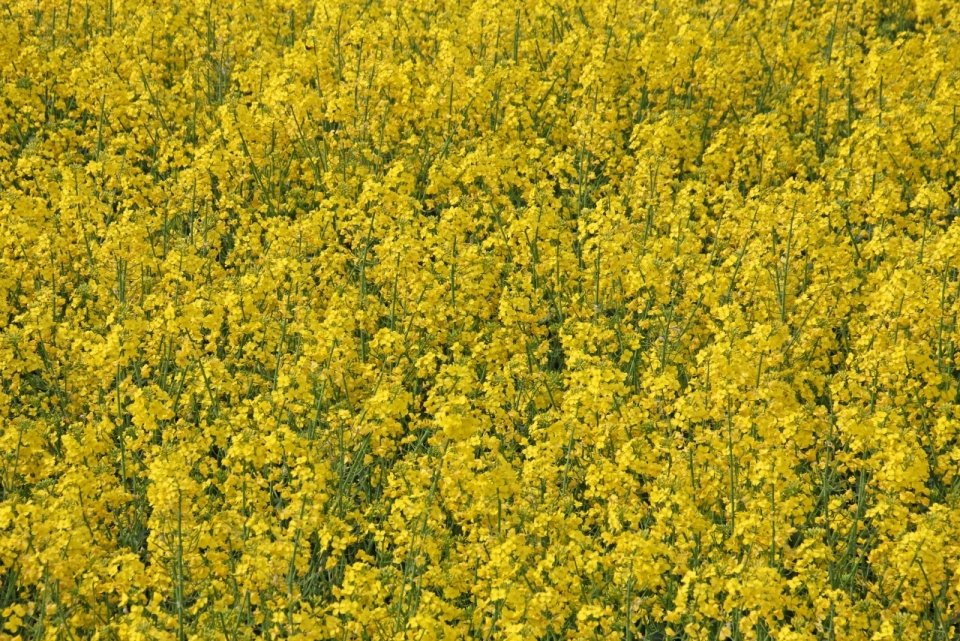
<point x="487" y="319"/>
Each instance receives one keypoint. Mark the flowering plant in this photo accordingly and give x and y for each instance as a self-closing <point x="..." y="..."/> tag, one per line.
<point x="443" y="320"/>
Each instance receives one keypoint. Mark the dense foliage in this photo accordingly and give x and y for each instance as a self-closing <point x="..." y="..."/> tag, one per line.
<point x="423" y="319"/>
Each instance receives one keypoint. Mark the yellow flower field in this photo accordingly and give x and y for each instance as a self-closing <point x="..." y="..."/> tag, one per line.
<point x="436" y="319"/>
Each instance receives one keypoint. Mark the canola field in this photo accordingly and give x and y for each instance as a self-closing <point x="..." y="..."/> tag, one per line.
<point x="489" y="319"/>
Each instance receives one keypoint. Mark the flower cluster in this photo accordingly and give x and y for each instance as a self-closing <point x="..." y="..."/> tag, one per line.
<point x="431" y="319"/>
